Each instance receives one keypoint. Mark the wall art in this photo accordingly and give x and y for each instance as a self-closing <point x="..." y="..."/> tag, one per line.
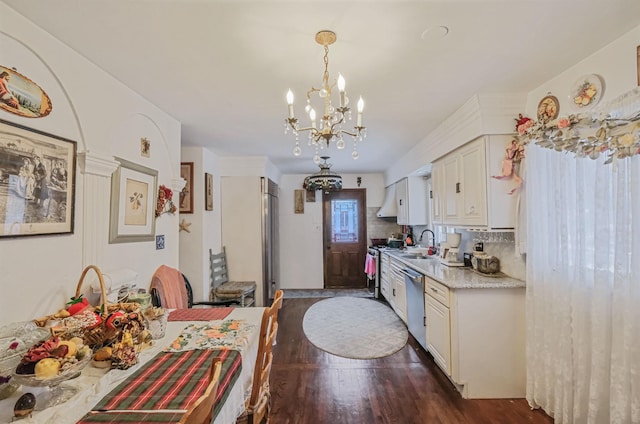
<point x="21" y="96"/>
<point x="186" y="195"/>
<point x="37" y="182"/>
<point x="208" y="191"/>
<point x="133" y="203"/>
<point x="145" y="147"/>
<point x="298" y="201"/>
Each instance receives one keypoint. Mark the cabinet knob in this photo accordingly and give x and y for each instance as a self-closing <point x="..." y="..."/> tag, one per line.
<point x="472" y="209"/>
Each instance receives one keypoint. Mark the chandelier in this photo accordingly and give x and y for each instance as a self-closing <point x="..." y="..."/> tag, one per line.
<point x="330" y="126"/>
<point x="324" y="180"/>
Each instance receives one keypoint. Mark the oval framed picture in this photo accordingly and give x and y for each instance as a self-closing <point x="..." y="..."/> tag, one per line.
<point x="548" y="108"/>
<point x="21" y="96"/>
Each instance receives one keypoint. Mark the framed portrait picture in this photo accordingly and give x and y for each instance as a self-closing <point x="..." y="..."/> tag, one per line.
<point x="186" y="195"/>
<point x="133" y="203"/>
<point x="208" y="191"/>
<point x="37" y="182"/>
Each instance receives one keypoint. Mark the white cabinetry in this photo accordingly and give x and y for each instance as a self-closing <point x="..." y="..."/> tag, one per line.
<point x="436" y="192"/>
<point x="385" y="272"/>
<point x="398" y="296"/>
<point x="436" y="300"/>
<point x="463" y="191"/>
<point x="412" y="201"/>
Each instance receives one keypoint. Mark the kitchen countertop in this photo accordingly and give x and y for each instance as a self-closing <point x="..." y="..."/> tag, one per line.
<point x="454" y="277"/>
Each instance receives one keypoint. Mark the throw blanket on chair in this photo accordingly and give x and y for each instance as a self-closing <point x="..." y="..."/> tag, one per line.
<point x="171" y="288"/>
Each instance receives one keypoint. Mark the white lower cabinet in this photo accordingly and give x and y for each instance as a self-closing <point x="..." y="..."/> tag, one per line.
<point x="436" y="301"/>
<point x="384" y="276"/>
<point x="398" y="288"/>
<point x="477" y="337"/>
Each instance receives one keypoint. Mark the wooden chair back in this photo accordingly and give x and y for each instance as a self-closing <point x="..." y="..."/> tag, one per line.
<point x="259" y="402"/>
<point x="218" y="268"/>
<point x="201" y="411"/>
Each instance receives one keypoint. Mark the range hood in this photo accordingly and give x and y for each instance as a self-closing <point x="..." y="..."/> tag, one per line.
<point x="389" y="208"/>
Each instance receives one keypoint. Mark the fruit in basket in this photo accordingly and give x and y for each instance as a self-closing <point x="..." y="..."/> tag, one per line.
<point x="47" y="368"/>
<point x="24" y="405"/>
<point x="77" y="304"/>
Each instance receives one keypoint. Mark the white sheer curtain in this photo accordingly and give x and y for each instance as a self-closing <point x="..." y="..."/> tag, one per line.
<point x="583" y="287"/>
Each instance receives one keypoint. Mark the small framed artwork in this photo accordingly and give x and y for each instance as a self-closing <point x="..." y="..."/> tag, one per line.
<point x="298" y="201"/>
<point x="208" y="191"/>
<point x="133" y="203"/>
<point x="37" y="182"/>
<point x="310" y="195"/>
<point x="145" y="147"/>
<point x="186" y="195"/>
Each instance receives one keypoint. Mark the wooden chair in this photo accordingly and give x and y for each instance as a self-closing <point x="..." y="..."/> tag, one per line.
<point x="201" y="411"/>
<point x="171" y="289"/>
<point x="258" y="405"/>
<point x="222" y="289"/>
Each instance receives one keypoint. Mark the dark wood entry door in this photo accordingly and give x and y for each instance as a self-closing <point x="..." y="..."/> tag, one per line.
<point x="345" y="244"/>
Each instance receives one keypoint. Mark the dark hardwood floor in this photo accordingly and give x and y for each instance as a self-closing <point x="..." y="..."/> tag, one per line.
<point x="309" y="385"/>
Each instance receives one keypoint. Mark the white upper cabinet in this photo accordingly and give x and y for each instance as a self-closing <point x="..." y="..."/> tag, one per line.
<point x="464" y="194"/>
<point x="412" y="201"/>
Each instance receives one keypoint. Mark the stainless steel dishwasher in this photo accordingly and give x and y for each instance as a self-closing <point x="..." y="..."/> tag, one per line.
<point x="416" y="321"/>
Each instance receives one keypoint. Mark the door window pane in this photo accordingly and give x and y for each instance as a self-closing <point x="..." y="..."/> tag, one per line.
<point x="344" y="221"/>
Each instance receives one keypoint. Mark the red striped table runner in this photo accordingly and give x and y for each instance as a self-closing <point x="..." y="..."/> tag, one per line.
<point x="170" y="381"/>
<point x="199" y="314"/>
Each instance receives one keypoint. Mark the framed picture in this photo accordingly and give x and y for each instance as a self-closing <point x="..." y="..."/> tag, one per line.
<point x="37" y="182"/>
<point x="548" y="108"/>
<point x="298" y="201"/>
<point x="208" y="191"/>
<point x="638" y="66"/>
<point x="133" y="203"/>
<point x="21" y="96"/>
<point x="186" y="195"/>
<point x="311" y="195"/>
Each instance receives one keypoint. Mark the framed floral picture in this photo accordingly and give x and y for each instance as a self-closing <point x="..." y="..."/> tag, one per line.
<point x="37" y="182"/>
<point x="133" y="203"/>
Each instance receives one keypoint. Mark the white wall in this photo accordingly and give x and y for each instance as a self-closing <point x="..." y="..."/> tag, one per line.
<point x="616" y="63"/>
<point x="205" y="229"/>
<point x="301" y="263"/>
<point x="39" y="274"/>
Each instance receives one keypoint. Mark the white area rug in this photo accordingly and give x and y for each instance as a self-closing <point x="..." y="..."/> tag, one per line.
<point x="354" y="327"/>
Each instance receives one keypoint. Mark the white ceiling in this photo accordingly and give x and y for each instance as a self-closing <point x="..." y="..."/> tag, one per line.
<point x="222" y="68"/>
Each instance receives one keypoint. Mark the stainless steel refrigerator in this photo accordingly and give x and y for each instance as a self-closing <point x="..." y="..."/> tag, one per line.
<point x="271" y="257"/>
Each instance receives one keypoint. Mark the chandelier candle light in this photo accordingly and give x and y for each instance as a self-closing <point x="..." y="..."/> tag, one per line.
<point x="331" y="122"/>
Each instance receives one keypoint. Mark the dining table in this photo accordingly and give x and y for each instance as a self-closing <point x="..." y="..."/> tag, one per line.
<point x="156" y="389"/>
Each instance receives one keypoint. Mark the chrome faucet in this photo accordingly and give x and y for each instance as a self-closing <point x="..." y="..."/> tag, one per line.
<point x="433" y="236"/>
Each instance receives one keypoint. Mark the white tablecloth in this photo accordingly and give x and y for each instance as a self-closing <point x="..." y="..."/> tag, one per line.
<point x="95" y="383"/>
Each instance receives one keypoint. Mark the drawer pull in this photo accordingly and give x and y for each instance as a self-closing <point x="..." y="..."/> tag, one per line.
<point x="434" y="290"/>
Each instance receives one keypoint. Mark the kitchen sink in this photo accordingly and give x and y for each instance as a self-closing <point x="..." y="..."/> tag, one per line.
<point x="413" y="256"/>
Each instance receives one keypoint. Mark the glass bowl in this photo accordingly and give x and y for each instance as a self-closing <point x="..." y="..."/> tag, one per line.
<point x="15" y="339"/>
<point x="73" y="371"/>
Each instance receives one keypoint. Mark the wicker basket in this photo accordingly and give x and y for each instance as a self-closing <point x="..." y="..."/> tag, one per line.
<point x="98" y="335"/>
